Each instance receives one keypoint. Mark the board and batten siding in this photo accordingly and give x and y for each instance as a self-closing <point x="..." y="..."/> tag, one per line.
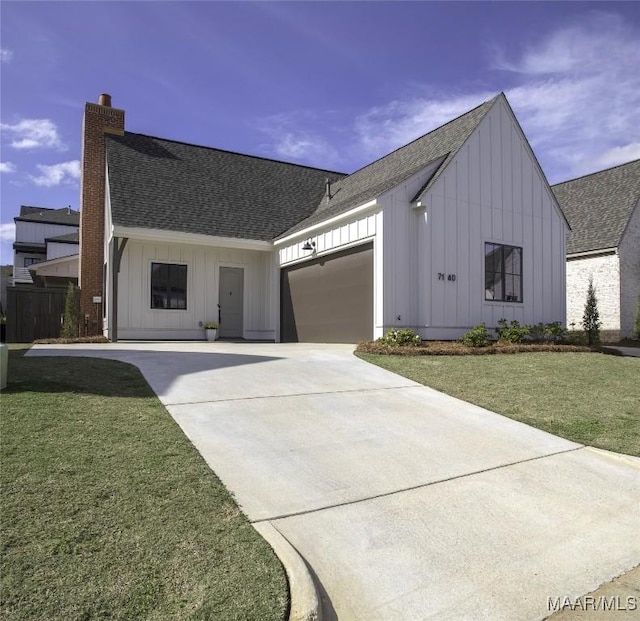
<point x="400" y="255"/>
<point x="137" y="320"/>
<point x="360" y="229"/>
<point x="491" y="191"/>
<point x="331" y="238"/>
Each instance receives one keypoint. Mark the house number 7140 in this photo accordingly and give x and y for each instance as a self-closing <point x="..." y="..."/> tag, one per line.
<point x="450" y="277"/>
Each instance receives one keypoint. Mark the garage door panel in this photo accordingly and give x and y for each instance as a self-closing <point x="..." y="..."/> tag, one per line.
<point x="329" y="299"/>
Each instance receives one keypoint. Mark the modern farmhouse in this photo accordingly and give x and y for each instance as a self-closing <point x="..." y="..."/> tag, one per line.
<point x="455" y="228"/>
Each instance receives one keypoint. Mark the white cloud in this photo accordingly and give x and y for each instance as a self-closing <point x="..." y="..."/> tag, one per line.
<point x="304" y="147"/>
<point x="590" y="45"/>
<point x="8" y="232"/>
<point x="7" y="167"/>
<point x="385" y="128"/>
<point x="619" y="155"/>
<point x="6" y="55"/>
<point x="576" y="93"/>
<point x="34" y="134"/>
<point x="57" y="174"/>
<point x="290" y="141"/>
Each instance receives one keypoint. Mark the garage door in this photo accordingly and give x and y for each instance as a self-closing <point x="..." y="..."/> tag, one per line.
<point x="329" y="299"/>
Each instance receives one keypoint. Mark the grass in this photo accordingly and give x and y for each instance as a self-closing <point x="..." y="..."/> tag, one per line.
<point x="590" y="398"/>
<point x="107" y="511"/>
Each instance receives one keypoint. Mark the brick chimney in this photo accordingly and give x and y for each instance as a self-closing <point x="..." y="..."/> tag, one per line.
<point x="99" y="119"/>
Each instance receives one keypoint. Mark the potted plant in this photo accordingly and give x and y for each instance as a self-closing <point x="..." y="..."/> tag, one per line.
<point x="211" y="330"/>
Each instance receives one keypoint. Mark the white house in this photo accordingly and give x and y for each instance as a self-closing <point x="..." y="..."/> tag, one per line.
<point x="604" y="244"/>
<point x="456" y="228"/>
<point x="46" y="245"/>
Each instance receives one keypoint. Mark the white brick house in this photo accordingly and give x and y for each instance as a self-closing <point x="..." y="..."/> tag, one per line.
<point x="603" y="210"/>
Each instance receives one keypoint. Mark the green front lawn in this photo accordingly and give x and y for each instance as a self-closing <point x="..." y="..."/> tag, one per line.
<point x="108" y="511"/>
<point x="589" y="398"/>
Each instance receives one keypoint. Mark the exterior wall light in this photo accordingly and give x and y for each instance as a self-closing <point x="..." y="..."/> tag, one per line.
<point x="309" y="245"/>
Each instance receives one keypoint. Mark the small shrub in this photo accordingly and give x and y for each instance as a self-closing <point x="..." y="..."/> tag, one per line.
<point x="591" y="318"/>
<point x="400" y="338"/>
<point x="211" y="325"/>
<point x="511" y="333"/>
<point x="70" y="320"/>
<point x="555" y="332"/>
<point x="547" y="333"/>
<point x="476" y="337"/>
<point x="537" y="333"/>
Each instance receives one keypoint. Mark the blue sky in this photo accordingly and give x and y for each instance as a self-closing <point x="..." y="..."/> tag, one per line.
<point x="329" y="84"/>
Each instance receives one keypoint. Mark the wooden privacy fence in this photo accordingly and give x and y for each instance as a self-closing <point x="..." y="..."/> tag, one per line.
<point x="34" y="313"/>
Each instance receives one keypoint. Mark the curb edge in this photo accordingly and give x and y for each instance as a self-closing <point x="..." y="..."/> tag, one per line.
<point x="305" y="602"/>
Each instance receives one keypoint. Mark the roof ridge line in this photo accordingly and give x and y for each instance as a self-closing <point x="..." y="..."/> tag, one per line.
<point x="597" y="172"/>
<point x="257" y="157"/>
<point x="424" y="135"/>
<point x="49" y="208"/>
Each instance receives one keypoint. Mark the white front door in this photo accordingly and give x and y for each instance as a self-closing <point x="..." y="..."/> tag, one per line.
<point x="231" y="300"/>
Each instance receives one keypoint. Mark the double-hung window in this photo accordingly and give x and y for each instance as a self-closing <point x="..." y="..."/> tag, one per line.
<point x="168" y="286"/>
<point x="502" y="273"/>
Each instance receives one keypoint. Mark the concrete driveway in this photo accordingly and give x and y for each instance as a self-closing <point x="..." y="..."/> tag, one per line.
<point x="407" y="504"/>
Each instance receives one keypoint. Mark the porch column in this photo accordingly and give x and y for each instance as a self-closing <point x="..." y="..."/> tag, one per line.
<point x="117" y="246"/>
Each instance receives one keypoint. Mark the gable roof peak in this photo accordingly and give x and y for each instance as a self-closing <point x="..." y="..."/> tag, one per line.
<point x="488" y="102"/>
<point x="374" y="179"/>
<point x="599" y="206"/>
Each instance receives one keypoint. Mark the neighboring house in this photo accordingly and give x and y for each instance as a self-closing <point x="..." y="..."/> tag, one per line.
<point x="456" y="228"/>
<point x="46" y="247"/>
<point x="604" y="244"/>
<point x="46" y="257"/>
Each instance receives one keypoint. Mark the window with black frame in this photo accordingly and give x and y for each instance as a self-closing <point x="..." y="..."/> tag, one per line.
<point x="168" y="286"/>
<point x="502" y="273"/>
<point x="32" y="261"/>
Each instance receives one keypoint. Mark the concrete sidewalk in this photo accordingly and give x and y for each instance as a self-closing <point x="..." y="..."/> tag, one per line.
<point x="406" y="503"/>
<point x="633" y="352"/>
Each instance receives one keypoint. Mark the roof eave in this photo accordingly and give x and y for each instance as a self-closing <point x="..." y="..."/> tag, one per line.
<point x="591" y="253"/>
<point x="417" y="199"/>
<point x="196" y="239"/>
<point x="346" y="215"/>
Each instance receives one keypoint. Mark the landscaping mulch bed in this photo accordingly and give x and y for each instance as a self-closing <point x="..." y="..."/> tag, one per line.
<point x="454" y="348"/>
<point x="80" y="339"/>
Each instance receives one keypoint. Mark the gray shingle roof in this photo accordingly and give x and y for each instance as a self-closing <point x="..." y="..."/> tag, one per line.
<point x="69" y="238"/>
<point x="167" y="185"/>
<point x="65" y="215"/>
<point x="383" y="174"/>
<point x="598" y="206"/>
